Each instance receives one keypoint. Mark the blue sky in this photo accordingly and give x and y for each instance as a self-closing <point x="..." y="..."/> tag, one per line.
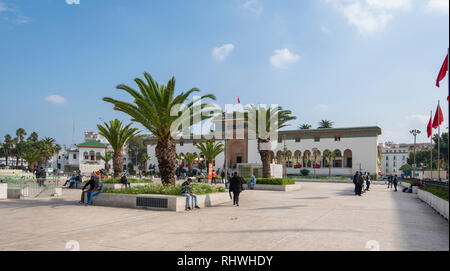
<point x="355" y="62"/>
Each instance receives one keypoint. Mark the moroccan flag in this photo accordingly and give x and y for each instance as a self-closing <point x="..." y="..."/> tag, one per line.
<point x="239" y="100"/>
<point x="443" y="72"/>
<point x="438" y="118"/>
<point x="429" y="129"/>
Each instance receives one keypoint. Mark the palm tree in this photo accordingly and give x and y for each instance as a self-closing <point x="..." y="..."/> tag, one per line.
<point x="329" y="156"/>
<point x="153" y="107"/>
<point x="33" y="137"/>
<point x="210" y="149"/>
<point x="106" y="158"/>
<point x="304" y="127"/>
<point x="323" y="124"/>
<point x="32" y="156"/>
<point x="190" y="158"/>
<point x="276" y="118"/>
<point x="21" y="133"/>
<point x="117" y="136"/>
<point x="7" y="147"/>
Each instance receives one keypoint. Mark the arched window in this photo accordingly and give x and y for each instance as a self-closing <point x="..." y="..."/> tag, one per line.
<point x="348" y="161"/>
<point x="92" y="155"/>
<point x="86" y="156"/>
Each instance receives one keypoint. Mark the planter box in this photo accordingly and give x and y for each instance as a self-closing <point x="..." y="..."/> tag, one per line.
<point x="269" y="187"/>
<point x="3" y="191"/>
<point x="14" y="193"/>
<point x="157" y="202"/>
<point x="438" y="204"/>
<point x="117" y="186"/>
<point x="415" y="189"/>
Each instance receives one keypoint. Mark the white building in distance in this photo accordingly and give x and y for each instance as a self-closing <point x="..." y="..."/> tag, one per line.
<point x="356" y="149"/>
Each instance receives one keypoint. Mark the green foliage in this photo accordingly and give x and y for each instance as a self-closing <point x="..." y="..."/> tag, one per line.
<point x="137" y="152"/>
<point x="209" y="149"/>
<point x="116" y="134"/>
<point x="130" y="180"/>
<point x="272" y="181"/>
<point x="159" y="189"/>
<point x="406" y="169"/>
<point x="130" y="169"/>
<point x="274" y="115"/>
<point x="323" y="124"/>
<point x="304" y="127"/>
<point x="439" y="192"/>
<point x="304" y="172"/>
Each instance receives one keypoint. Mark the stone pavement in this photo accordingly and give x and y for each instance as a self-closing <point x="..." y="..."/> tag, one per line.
<point x="318" y="217"/>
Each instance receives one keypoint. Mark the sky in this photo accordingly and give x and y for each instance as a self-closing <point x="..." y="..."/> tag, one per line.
<point x="355" y="62"/>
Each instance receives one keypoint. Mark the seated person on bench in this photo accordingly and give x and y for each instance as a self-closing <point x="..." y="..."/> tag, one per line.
<point x="186" y="192"/>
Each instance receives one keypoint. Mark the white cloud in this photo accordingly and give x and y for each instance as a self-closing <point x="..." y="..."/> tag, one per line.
<point x="220" y="53"/>
<point x="55" y="99"/>
<point x="254" y="6"/>
<point x="283" y="58"/>
<point x="439" y="5"/>
<point x="3" y="7"/>
<point x="73" y="2"/>
<point x="422" y="119"/>
<point x="369" y="15"/>
<point x="12" y="14"/>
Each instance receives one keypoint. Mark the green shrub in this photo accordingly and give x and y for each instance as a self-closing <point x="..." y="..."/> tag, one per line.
<point x="272" y="181"/>
<point x="439" y="192"/>
<point x="159" y="189"/>
<point x="304" y="172"/>
<point x="130" y="180"/>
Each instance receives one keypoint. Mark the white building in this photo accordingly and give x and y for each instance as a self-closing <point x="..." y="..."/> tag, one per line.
<point x="356" y="149"/>
<point x="396" y="155"/>
<point x="84" y="156"/>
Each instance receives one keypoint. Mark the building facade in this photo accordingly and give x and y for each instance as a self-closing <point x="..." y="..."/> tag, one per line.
<point x="354" y="149"/>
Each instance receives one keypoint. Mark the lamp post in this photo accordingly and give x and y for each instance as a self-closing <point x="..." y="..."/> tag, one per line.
<point x="285" y="156"/>
<point x="414" y="132"/>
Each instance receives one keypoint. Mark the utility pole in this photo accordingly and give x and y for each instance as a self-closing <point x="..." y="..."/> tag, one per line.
<point x="415" y="132"/>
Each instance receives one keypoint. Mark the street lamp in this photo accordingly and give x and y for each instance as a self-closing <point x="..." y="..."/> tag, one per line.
<point x="414" y="132"/>
<point x="285" y="157"/>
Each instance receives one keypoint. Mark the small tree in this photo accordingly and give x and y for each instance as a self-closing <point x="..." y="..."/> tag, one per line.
<point x="190" y="158"/>
<point x="304" y="172"/>
<point x="106" y="158"/>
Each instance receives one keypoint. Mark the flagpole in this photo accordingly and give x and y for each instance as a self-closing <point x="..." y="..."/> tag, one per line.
<point x="431" y="152"/>
<point x="439" y="142"/>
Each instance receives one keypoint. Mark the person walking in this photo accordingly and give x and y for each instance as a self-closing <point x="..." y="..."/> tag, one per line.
<point x="236" y="183"/>
<point x="222" y="175"/>
<point x="390" y="181"/>
<point x="395" y="182"/>
<point x="213" y="179"/>
<point x="355" y="178"/>
<point x="42" y="177"/>
<point x="367" y="181"/>
<point x="359" y="184"/>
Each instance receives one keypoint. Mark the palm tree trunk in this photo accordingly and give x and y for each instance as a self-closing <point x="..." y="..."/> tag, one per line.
<point x="265" y="157"/>
<point x="165" y="152"/>
<point x="117" y="164"/>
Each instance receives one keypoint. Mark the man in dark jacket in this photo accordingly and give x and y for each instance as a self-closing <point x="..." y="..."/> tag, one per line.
<point x="355" y="178"/>
<point x="91" y="183"/>
<point x="187" y="192"/>
<point x="236" y="183"/>
<point x="395" y="182"/>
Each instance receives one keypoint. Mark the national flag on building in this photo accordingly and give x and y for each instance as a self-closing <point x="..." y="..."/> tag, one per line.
<point x="442" y="72"/>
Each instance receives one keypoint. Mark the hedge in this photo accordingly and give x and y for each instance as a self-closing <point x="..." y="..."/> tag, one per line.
<point x="159" y="189"/>
<point x="272" y="181"/>
<point x="130" y="180"/>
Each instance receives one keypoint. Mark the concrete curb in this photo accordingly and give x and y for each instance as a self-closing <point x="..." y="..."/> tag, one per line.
<point x="3" y="191"/>
<point x="268" y="187"/>
<point x="174" y="203"/>
<point x="439" y="205"/>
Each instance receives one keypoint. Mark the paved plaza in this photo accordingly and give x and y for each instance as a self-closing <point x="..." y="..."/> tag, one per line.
<point x="319" y="217"/>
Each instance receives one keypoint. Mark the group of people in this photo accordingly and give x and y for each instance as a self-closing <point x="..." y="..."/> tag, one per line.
<point x="95" y="188"/>
<point x="236" y="186"/>
<point x="41" y="175"/>
<point x="392" y="182"/>
<point x="74" y="180"/>
<point x="360" y="179"/>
